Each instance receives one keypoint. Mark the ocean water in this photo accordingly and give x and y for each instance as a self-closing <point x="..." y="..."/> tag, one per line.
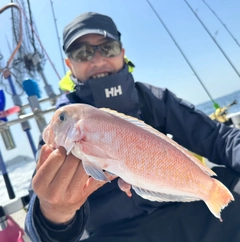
<point x="20" y="170"/>
<point x="20" y="173"/>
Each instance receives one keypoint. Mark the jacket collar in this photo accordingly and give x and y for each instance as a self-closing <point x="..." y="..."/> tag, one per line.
<point x="116" y="92"/>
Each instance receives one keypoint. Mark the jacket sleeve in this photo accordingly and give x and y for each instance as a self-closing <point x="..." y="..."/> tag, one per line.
<point x="192" y="128"/>
<point x="40" y="229"/>
<point x="198" y="133"/>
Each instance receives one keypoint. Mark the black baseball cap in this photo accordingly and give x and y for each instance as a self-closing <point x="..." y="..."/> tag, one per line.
<point x="89" y="23"/>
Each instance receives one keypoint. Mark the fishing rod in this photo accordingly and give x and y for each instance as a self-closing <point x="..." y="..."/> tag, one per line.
<point x="38" y="38"/>
<point x="9" y="145"/>
<point x="215" y="105"/>
<point x="55" y="22"/>
<point x="225" y="55"/>
<point x="224" y="25"/>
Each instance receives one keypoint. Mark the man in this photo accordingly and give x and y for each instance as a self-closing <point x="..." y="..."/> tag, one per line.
<point x="66" y="201"/>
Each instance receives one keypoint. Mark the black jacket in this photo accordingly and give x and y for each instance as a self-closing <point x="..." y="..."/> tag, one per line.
<point x="164" y="111"/>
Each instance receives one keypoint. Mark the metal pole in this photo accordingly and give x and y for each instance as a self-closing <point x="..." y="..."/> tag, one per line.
<point x="25" y="125"/>
<point x="24" y="117"/>
<point x="184" y="56"/>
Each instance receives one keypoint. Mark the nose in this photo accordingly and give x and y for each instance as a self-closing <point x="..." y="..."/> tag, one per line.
<point x="98" y="59"/>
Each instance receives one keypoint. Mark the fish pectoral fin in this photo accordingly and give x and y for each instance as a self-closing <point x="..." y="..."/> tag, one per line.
<point x="163" y="197"/>
<point x="94" y="171"/>
<point x="110" y="173"/>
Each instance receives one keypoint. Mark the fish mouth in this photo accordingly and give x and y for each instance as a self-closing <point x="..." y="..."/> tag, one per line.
<point x="54" y="146"/>
<point x="67" y="147"/>
<point x="48" y="137"/>
<point x="67" y="139"/>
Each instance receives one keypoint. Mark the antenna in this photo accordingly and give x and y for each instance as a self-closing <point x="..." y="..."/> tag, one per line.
<point x="224" y="25"/>
<point x="179" y="48"/>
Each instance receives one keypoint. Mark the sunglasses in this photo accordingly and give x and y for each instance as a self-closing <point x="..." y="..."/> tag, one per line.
<point x="84" y="52"/>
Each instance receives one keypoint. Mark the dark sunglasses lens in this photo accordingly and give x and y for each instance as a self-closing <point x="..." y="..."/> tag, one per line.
<point x="86" y="52"/>
<point x="83" y="53"/>
<point x="110" y="49"/>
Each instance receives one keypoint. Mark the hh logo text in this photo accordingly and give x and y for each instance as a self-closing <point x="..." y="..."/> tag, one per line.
<point x="113" y="91"/>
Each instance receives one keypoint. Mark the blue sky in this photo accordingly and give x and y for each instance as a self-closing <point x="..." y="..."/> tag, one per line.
<point x="157" y="59"/>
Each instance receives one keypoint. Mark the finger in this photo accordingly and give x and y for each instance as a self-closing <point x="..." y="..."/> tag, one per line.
<point x="79" y="179"/>
<point x="92" y="184"/>
<point x="48" y="170"/>
<point x="70" y="173"/>
<point x="110" y="176"/>
<point x="125" y="187"/>
<point x="44" y="153"/>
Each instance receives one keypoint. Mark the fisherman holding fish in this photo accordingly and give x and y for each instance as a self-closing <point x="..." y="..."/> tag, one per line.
<point x="103" y="170"/>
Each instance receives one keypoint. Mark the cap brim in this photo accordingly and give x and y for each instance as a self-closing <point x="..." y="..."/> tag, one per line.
<point x="90" y="31"/>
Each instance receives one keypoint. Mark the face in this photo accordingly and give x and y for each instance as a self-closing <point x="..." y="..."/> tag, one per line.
<point x="98" y="66"/>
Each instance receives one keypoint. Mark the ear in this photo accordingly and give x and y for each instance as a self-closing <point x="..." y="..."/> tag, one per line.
<point x="68" y="63"/>
<point x="123" y="52"/>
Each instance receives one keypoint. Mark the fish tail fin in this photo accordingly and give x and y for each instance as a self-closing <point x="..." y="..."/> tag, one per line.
<point x="219" y="199"/>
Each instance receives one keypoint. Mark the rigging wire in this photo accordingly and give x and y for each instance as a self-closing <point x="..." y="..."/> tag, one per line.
<point x="31" y="22"/>
<point x="40" y="43"/>
<point x="225" y="55"/>
<point x="224" y="25"/>
<point x="2" y="78"/>
<point x="184" y="56"/>
<point x="31" y="57"/>
<point x="60" y="49"/>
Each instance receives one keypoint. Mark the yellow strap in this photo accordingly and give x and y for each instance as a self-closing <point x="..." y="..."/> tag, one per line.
<point x="130" y="64"/>
<point x="66" y="83"/>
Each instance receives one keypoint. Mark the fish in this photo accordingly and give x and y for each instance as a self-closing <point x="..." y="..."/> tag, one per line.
<point x="156" y="167"/>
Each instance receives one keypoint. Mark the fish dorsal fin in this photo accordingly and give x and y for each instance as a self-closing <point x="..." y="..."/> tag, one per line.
<point x="149" y="128"/>
<point x="135" y="121"/>
<point x="163" y="197"/>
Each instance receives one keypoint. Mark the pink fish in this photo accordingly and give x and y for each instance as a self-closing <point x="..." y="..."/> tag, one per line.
<point x="156" y="167"/>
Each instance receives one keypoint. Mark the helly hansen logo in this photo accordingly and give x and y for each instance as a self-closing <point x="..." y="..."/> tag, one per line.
<point x="113" y="91"/>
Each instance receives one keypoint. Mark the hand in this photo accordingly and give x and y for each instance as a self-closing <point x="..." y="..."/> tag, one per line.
<point x="61" y="184"/>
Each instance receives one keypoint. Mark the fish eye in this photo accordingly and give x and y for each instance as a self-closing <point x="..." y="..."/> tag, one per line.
<point x="62" y="117"/>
